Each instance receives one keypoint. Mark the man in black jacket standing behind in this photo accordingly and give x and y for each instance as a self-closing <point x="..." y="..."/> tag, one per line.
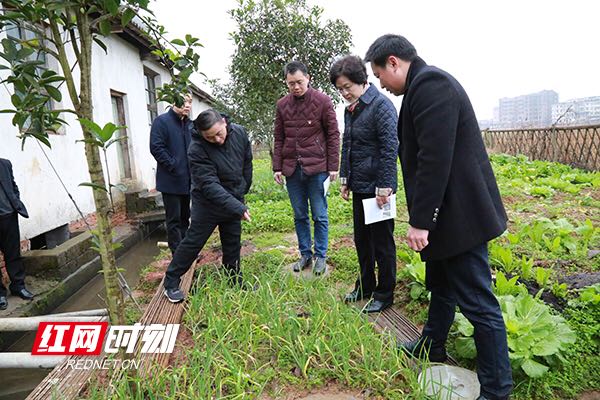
<point x="10" y="206"/>
<point x="170" y="137"/>
<point x="454" y="206"/>
<point x="221" y="169"/>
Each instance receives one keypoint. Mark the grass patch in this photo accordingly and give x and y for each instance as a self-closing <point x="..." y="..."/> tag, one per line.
<point x="345" y="263"/>
<point x="287" y="332"/>
<point x="268" y="239"/>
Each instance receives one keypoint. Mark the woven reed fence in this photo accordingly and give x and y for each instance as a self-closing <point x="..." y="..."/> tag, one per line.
<point x="578" y="146"/>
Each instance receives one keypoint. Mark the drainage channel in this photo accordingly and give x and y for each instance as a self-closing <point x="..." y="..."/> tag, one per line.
<point x="18" y="383"/>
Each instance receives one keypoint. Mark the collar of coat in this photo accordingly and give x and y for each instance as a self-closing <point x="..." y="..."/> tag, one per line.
<point x="370" y="94"/>
<point x="416" y="65"/>
<point x="306" y="96"/>
<point x="176" y="116"/>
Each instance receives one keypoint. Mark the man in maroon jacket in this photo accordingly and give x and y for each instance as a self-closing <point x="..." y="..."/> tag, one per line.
<point x="306" y="152"/>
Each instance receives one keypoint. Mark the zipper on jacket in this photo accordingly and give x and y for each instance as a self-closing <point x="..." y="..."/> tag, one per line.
<point x="348" y="160"/>
<point x="320" y="147"/>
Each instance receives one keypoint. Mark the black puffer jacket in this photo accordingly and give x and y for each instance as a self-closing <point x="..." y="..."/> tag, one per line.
<point x="221" y="174"/>
<point x="370" y="144"/>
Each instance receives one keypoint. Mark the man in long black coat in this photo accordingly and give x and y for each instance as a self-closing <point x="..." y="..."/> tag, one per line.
<point x="454" y="206"/>
<point x="10" y="207"/>
<point x="221" y="168"/>
<point x="170" y="137"/>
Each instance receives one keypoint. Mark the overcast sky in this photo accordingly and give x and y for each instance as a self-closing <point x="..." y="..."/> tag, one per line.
<point x="494" y="48"/>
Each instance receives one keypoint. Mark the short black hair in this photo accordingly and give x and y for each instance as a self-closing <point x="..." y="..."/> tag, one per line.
<point x="390" y="45"/>
<point x="292" y="67"/>
<point x="352" y="67"/>
<point x="206" y="119"/>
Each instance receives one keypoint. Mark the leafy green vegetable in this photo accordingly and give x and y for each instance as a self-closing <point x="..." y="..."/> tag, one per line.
<point x="536" y="337"/>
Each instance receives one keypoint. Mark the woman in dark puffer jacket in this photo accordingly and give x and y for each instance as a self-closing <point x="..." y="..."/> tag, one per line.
<point x="368" y="169"/>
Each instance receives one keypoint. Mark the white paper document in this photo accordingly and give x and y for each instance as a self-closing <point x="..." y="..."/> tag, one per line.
<point x="326" y="184"/>
<point x="375" y="214"/>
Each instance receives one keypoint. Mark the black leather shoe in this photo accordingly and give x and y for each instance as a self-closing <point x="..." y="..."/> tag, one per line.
<point x="3" y="303"/>
<point x="237" y="282"/>
<point x="23" y="293"/>
<point x="376" y="306"/>
<point x="356" y="295"/>
<point x="234" y="275"/>
<point x="422" y="348"/>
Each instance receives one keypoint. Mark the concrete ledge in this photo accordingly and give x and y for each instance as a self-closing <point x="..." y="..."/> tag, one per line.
<point x="137" y="202"/>
<point x="155" y="216"/>
<point x="62" y="260"/>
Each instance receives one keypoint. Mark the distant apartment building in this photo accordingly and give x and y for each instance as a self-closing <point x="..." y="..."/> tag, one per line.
<point x="583" y="111"/>
<point x="486" y="124"/>
<point x="528" y="111"/>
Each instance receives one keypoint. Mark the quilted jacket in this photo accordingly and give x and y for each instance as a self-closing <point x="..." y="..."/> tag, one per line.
<point x="370" y="144"/>
<point x="306" y="134"/>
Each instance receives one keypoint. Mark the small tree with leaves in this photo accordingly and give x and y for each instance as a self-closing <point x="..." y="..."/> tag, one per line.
<point x="270" y="34"/>
<point x="63" y="27"/>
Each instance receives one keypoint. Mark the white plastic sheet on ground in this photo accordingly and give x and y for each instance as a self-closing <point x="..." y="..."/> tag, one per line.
<point x="446" y="382"/>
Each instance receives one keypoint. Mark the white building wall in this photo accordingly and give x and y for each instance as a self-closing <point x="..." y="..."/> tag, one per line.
<point x="47" y="202"/>
<point x="126" y="77"/>
<point x="197" y="107"/>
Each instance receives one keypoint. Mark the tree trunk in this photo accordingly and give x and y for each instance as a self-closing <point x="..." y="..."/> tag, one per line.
<point x="114" y="296"/>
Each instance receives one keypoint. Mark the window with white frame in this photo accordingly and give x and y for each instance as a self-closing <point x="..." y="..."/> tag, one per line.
<point x="21" y="33"/>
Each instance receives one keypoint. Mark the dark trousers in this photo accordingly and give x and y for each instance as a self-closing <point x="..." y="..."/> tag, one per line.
<point x="202" y="226"/>
<point x="466" y="280"/>
<point x="374" y="244"/>
<point x="11" y="248"/>
<point x="177" y="213"/>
